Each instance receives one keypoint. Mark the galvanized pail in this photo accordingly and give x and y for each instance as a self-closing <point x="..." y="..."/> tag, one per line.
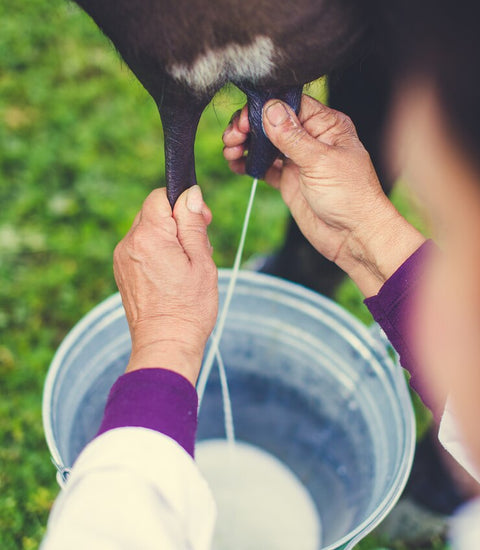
<point x="309" y="384"/>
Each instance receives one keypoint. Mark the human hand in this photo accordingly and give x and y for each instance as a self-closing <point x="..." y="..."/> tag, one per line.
<point x="168" y="282"/>
<point x="329" y="183"/>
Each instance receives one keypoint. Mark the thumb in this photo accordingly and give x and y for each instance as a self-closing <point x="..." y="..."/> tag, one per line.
<point x="287" y="134"/>
<point x="193" y="216"/>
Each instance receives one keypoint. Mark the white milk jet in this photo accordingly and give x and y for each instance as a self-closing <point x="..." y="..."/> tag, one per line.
<point x="217" y="334"/>
<point x="261" y="504"/>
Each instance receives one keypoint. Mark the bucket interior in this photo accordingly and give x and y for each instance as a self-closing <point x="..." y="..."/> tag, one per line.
<point x="308" y="384"/>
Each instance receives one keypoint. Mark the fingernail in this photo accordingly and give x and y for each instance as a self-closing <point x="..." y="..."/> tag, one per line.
<point x="195" y="199"/>
<point x="276" y="113"/>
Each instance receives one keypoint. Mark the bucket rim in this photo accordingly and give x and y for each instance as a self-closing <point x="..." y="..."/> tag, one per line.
<point x="111" y="303"/>
<point x="393" y="495"/>
<point x="101" y="309"/>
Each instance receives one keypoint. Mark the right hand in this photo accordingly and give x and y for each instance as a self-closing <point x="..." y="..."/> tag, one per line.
<point x="168" y="282"/>
<point x="330" y="186"/>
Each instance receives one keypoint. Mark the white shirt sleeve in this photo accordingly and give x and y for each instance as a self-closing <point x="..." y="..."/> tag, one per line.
<point x="451" y="438"/>
<point x="465" y="527"/>
<point x="465" y="524"/>
<point x="132" y="488"/>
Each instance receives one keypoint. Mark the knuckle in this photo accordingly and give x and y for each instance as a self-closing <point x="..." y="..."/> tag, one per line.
<point x="137" y="240"/>
<point x="135" y="237"/>
<point x="337" y="119"/>
<point x="156" y="205"/>
<point x="148" y="202"/>
<point x="327" y="114"/>
<point x="345" y="123"/>
<point x="333" y="123"/>
<point x="118" y="252"/>
<point x="342" y="118"/>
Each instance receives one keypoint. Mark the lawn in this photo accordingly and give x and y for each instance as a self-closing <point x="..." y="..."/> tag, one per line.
<point x="80" y="148"/>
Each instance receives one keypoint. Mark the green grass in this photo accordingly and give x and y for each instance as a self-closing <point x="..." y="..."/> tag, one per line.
<point x="80" y="148"/>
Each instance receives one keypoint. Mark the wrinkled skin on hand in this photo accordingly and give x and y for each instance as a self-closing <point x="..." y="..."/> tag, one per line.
<point x="327" y="180"/>
<point x="168" y="282"/>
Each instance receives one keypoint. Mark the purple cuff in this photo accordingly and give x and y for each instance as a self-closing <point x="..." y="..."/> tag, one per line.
<point x="393" y="309"/>
<point x="157" y="399"/>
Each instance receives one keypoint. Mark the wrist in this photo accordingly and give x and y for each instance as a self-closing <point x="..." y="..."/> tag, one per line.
<point x="171" y="354"/>
<point x="377" y="248"/>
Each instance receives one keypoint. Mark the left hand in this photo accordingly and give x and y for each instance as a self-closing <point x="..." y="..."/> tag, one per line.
<point x="330" y="186"/>
<point x="168" y="282"/>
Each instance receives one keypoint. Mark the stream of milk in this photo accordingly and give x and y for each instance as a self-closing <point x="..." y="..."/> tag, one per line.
<point x="214" y="350"/>
<point x="260" y="501"/>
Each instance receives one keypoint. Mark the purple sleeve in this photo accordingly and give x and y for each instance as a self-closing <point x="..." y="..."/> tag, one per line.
<point x="392" y="310"/>
<point x="158" y="399"/>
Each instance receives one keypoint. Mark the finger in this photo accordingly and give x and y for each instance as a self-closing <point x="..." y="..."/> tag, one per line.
<point x="300" y="209"/>
<point x="234" y="117"/>
<point x="274" y="174"/>
<point x="238" y="129"/>
<point x="287" y="133"/>
<point x="192" y="216"/>
<point x="242" y="121"/>
<point x="330" y="126"/>
<point x="237" y="166"/>
<point x="156" y="205"/>
<point x="207" y="214"/>
<point x="233" y="153"/>
<point x="309" y="107"/>
<point x="233" y="137"/>
<point x="239" y="120"/>
<point x="291" y="193"/>
<point x="156" y="210"/>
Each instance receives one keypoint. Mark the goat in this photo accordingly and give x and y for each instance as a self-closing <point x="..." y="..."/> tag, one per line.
<point x="183" y="52"/>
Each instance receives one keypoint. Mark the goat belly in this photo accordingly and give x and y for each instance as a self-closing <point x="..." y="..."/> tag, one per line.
<point x="203" y="44"/>
<point x="183" y="51"/>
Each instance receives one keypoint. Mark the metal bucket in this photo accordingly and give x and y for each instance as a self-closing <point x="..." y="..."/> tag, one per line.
<point x="308" y="382"/>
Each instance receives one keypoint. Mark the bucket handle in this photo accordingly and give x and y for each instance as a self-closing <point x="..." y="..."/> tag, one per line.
<point x="63" y="473"/>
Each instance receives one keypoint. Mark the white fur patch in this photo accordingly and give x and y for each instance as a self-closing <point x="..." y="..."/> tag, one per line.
<point x="233" y="62"/>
